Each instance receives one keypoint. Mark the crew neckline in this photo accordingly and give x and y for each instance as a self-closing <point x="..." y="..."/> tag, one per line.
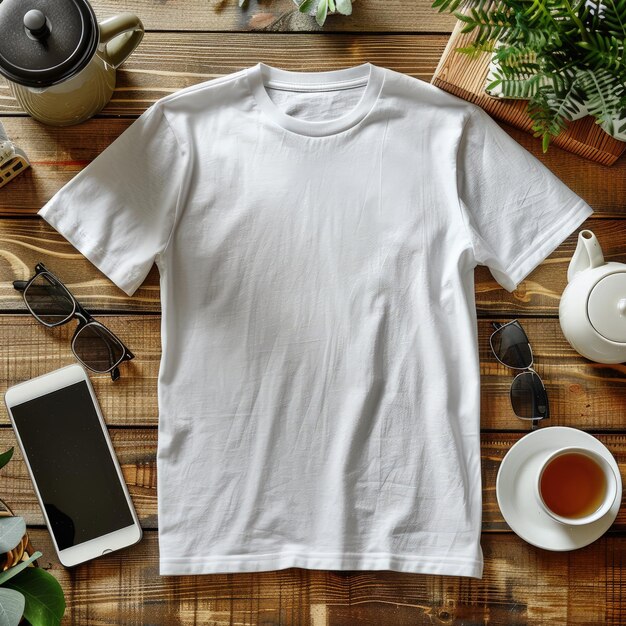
<point x="261" y="76"/>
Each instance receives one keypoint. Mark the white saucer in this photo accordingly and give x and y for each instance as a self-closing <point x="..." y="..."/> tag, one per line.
<point x="516" y="496"/>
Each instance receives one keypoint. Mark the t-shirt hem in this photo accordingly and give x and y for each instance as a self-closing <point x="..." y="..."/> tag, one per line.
<point x="228" y="564"/>
<point x="527" y="262"/>
<point x="88" y="248"/>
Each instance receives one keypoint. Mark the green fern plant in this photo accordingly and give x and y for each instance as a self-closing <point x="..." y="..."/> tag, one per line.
<point x="564" y="56"/>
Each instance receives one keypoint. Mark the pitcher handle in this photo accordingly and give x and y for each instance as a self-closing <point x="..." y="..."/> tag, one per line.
<point x="121" y="34"/>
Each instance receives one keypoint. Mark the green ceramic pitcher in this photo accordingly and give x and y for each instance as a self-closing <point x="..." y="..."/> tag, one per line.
<point x="59" y="61"/>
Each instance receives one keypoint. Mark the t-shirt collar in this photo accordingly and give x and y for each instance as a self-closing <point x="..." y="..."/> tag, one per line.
<point x="261" y="76"/>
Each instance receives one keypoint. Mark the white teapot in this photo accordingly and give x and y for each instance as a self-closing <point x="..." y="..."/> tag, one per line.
<point x="593" y="306"/>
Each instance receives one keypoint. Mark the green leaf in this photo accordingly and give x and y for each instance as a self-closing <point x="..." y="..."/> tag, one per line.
<point x="322" y="12"/>
<point x="305" y="6"/>
<point x="446" y="5"/>
<point x="331" y="5"/>
<point x="344" y="7"/>
<point x="16" y="569"/>
<point x="12" y="530"/>
<point x="45" y="603"/>
<point x="475" y="49"/>
<point x="5" y="457"/>
<point x="603" y="96"/>
<point x="614" y="17"/>
<point x="604" y="51"/>
<point x="11" y="607"/>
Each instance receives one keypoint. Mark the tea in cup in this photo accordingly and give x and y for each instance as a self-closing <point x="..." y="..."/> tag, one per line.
<point x="576" y="486"/>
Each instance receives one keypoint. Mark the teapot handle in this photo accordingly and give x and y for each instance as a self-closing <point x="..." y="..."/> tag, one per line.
<point x="121" y="34"/>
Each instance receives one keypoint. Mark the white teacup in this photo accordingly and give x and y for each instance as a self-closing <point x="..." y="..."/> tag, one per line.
<point x="576" y="483"/>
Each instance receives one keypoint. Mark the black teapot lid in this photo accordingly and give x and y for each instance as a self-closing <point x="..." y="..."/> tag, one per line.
<point x="44" y="42"/>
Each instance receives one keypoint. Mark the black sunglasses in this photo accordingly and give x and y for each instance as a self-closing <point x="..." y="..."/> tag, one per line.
<point x="52" y="304"/>
<point x="511" y="347"/>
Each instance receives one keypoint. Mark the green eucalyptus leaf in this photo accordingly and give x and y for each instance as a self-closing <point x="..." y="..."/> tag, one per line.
<point x="344" y="7"/>
<point x="45" y="603"/>
<point x="12" y="530"/>
<point x="322" y="12"/>
<point x="5" y="457"/>
<point x="16" y="569"/>
<point x="305" y="6"/>
<point x="11" y="607"/>
<point x="331" y="5"/>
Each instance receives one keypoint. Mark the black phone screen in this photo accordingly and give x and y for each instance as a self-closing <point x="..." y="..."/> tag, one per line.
<point x="72" y="465"/>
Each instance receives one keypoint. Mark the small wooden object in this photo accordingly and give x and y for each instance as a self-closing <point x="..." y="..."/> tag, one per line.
<point x="465" y="76"/>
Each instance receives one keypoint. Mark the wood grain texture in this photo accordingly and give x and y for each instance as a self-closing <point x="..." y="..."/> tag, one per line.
<point x="136" y="451"/>
<point x="465" y="76"/>
<point x="582" y="394"/>
<point x="24" y="242"/>
<point x="167" y="62"/>
<point x="521" y="586"/>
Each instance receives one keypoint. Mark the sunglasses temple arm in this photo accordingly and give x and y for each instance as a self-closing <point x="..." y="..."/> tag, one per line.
<point x="20" y="285"/>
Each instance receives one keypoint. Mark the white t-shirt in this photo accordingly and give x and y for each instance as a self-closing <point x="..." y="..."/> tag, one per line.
<point x="316" y="235"/>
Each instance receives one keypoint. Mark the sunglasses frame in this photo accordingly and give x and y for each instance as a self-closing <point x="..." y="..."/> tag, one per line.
<point x="84" y="318"/>
<point x="522" y="370"/>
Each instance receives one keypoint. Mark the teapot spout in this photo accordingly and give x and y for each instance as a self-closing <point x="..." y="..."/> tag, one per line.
<point x="588" y="254"/>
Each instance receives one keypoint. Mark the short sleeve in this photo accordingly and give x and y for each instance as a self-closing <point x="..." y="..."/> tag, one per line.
<point x="121" y="209"/>
<point x="516" y="210"/>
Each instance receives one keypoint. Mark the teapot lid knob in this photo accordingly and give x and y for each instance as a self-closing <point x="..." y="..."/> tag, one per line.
<point x="36" y="24"/>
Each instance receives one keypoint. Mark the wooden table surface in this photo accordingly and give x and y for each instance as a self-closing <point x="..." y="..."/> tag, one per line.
<point x="188" y="42"/>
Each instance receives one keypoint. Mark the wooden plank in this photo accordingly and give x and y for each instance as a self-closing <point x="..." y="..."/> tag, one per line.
<point x="24" y="242"/>
<point x="522" y="585"/>
<point x="582" y="394"/>
<point x="279" y="16"/>
<point x="465" y="76"/>
<point x="167" y="62"/>
<point x="136" y="451"/>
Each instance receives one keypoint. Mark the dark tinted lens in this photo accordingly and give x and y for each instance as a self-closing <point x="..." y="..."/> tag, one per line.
<point x="511" y="346"/>
<point x="529" y="397"/>
<point x="97" y="348"/>
<point x="49" y="300"/>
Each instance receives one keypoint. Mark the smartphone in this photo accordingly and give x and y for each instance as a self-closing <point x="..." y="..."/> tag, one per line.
<point x="72" y="463"/>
